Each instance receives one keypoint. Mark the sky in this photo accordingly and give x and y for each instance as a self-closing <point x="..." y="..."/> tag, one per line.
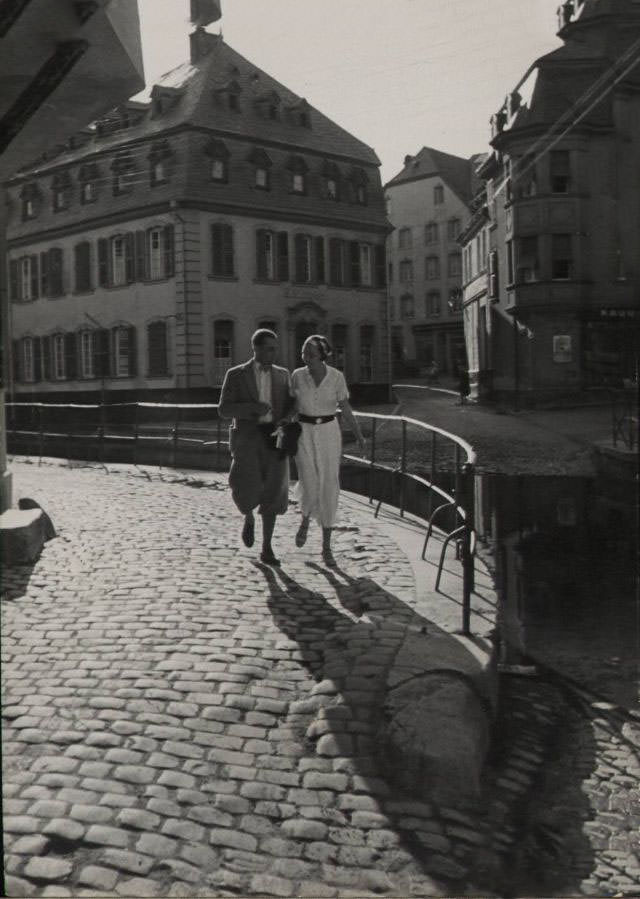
<point x="397" y="74"/>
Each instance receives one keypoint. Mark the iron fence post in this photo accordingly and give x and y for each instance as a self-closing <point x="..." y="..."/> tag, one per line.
<point x="41" y="429"/>
<point x="135" y="434"/>
<point x="468" y="572"/>
<point x="403" y="465"/>
<point x="175" y="439"/>
<point x="374" y="422"/>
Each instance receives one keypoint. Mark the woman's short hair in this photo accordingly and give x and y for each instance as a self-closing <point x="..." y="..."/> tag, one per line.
<point x="258" y="337"/>
<point x="321" y="342"/>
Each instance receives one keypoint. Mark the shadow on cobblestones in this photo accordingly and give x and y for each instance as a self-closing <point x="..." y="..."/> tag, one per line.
<point x="349" y="652"/>
<point x="15" y="580"/>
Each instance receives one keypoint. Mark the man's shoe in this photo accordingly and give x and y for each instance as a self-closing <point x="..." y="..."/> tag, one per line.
<point x="268" y="558"/>
<point x="248" y="531"/>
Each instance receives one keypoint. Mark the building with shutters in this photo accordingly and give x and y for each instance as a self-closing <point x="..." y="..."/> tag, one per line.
<point x="427" y="203"/>
<point x="145" y="252"/>
<point x="561" y="313"/>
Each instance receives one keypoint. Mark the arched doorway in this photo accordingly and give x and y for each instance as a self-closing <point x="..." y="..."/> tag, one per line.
<point x="303" y="319"/>
<point x="302" y="331"/>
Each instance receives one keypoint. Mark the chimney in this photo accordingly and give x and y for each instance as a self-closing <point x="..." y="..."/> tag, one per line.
<point x="407" y="159"/>
<point x="201" y="43"/>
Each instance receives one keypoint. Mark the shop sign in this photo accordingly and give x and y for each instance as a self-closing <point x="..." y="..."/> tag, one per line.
<point x="562" y="351"/>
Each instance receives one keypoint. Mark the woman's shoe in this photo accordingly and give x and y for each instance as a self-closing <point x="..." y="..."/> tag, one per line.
<point x="301" y="536"/>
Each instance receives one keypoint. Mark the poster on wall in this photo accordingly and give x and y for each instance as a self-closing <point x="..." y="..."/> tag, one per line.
<point x="562" y="351"/>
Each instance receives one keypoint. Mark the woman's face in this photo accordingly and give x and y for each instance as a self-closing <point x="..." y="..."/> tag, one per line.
<point x="311" y="354"/>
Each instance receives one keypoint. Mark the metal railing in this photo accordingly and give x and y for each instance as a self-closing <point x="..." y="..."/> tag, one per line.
<point x="431" y="477"/>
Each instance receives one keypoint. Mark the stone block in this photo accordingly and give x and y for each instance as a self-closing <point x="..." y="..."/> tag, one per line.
<point x="22" y="535"/>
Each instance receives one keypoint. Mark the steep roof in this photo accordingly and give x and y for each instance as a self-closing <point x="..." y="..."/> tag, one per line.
<point x="454" y="170"/>
<point x="188" y="94"/>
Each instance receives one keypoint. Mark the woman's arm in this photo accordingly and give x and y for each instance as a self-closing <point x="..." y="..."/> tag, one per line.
<point x="352" y="422"/>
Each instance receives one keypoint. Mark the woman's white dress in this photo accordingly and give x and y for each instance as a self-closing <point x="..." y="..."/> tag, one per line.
<point x="320" y="445"/>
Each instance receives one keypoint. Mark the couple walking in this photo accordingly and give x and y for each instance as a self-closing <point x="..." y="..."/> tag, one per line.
<point x="261" y="398"/>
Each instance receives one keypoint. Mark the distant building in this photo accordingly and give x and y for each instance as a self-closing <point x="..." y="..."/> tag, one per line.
<point x="143" y="255"/>
<point x="562" y="187"/>
<point x="427" y="203"/>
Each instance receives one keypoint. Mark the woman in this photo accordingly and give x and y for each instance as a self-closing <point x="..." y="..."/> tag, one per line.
<point x="319" y="389"/>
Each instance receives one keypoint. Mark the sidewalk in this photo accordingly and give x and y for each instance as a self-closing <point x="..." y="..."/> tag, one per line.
<point x="183" y="721"/>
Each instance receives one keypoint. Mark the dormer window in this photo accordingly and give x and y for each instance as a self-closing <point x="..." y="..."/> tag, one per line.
<point x="163" y="99"/>
<point x="358" y="181"/>
<point x="299" y="113"/>
<point x="159" y="161"/>
<point x="228" y="95"/>
<point x="261" y="161"/>
<point x="88" y="177"/>
<point x="268" y="105"/>
<point x="219" y="164"/>
<point x="123" y="173"/>
<point x="331" y="176"/>
<point x="61" y="187"/>
<point x="30" y="197"/>
<point x="560" y="171"/>
<point x="298" y="168"/>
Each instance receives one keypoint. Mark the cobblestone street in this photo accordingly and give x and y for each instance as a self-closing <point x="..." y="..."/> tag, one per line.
<point x="182" y="721"/>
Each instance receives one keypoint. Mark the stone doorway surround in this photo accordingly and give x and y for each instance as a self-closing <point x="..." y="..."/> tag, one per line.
<point x="303" y="318"/>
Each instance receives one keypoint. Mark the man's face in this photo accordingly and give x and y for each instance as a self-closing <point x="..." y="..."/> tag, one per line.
<point x="265" y="354"/>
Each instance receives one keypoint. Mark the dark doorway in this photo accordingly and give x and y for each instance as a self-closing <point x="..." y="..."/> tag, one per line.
<point x="303" y="330"/>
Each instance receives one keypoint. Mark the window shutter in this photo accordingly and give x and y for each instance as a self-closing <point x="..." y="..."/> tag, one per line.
<point x="16" y="351"/>
<point x="216" y="249"/>
<point x="354" y="263"/>
<point x="103" y="262"/>
<point x="227" y="250"/>
<point x="300" y="257"/>
<point x="44" y="274"/>
<point x="142" y="268"/>
<point x="380" y="264"/>
<point x="55" y="272"/>
<point x="13" y="279"/>
<point x="157" y="348"/>
<point x="493" y="275"/>
<point x="169" y="252"/>
<point x="335" y="269"/>
<point x="113" y="359"/>
<point x="133" y="352"/>
<point x="45" y="352"/>
<point x="319" y="259"/>
<point x="37" y="359"/>
<point x="130" y="257"/>
<point x="261" y="254"/>
<point x="35" y="278"/>
<point x="70" y="355"/>
<point x="102" y="353"/>
<point x="283" y="256"/>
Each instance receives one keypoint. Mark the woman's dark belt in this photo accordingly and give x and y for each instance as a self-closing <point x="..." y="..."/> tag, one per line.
<point x="315" y="419"/>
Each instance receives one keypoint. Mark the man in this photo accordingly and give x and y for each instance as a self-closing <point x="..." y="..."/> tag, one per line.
<point x="256" y="395"/>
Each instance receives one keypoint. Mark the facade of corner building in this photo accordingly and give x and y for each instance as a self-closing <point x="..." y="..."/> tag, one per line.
<point x="427" y="203"/>
<point x="144" y="253"/>
<point x="557" y="313"/>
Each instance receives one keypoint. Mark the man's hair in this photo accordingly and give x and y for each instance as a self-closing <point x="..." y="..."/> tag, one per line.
<point x="262" y="334"/>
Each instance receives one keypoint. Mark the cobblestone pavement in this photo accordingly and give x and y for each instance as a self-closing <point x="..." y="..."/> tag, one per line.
<point x="181" y="720"/>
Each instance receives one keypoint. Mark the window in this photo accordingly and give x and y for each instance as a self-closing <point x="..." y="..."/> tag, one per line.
<point x="117" y="262"/>
<point x="528" y="259"/>
<point x="28" y="371"/>
<point x="366" y="278"/>
<point x="88" y="177"/>
<point x="432" y="268"/>
<point x="30" y="199"/>
<point x="51" y="273"/>
<point x="390" y="272"/>
<point x="455" y="300"/>
<point x="156" y="254"/>
<point x="526" y="177"/>
<point x="453" y="228"/>
<point x="509" y="245"/>
<point x="336" y="262"/>
<point x="58" y="349"/>
<point x="358" y="181"/>
<point x="60" y="199"/>
<point x="432" y="306"/>
<point x="405" y="271"/>
<point x="561" y="257"/>
<point x="332" y="188"/>
<point x="367" y="337"/>
<point x="123" y="173"/>
<point x="339" y="336"/>
<point x="303" y="248"/>
<point x="405" y="241"/>
<point x="493" y="275"/>
<point x="222" y="257"/>
<point x="298" y="171"/>
<point x="438" y="195"/>
<point x="297" y="183"/>
<point x="157" y="349"/>
<point x="87" y="192"/>
<point x="319" y="259"/>
<point x="158" y="173"/>
<point x="431" y="232"/>
<point x="82" y="266"/>
<point x="560" y="171"/>
<point x="407" y="308"/>
<point x="331" y="175"/>
<point x="218" y="160"/>
<point x="272" y="251"/>
<point x="87" y="345"/>
<point x="222" y="349"/>
<point x="23" y="279"/>
<point x="261" y="161"/>
<point x="123" y="351"/>
<point x="455" y="265"/>
<point x="262" y="178"/>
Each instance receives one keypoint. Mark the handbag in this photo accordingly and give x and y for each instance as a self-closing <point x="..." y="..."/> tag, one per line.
<point x="290" y="436"/>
